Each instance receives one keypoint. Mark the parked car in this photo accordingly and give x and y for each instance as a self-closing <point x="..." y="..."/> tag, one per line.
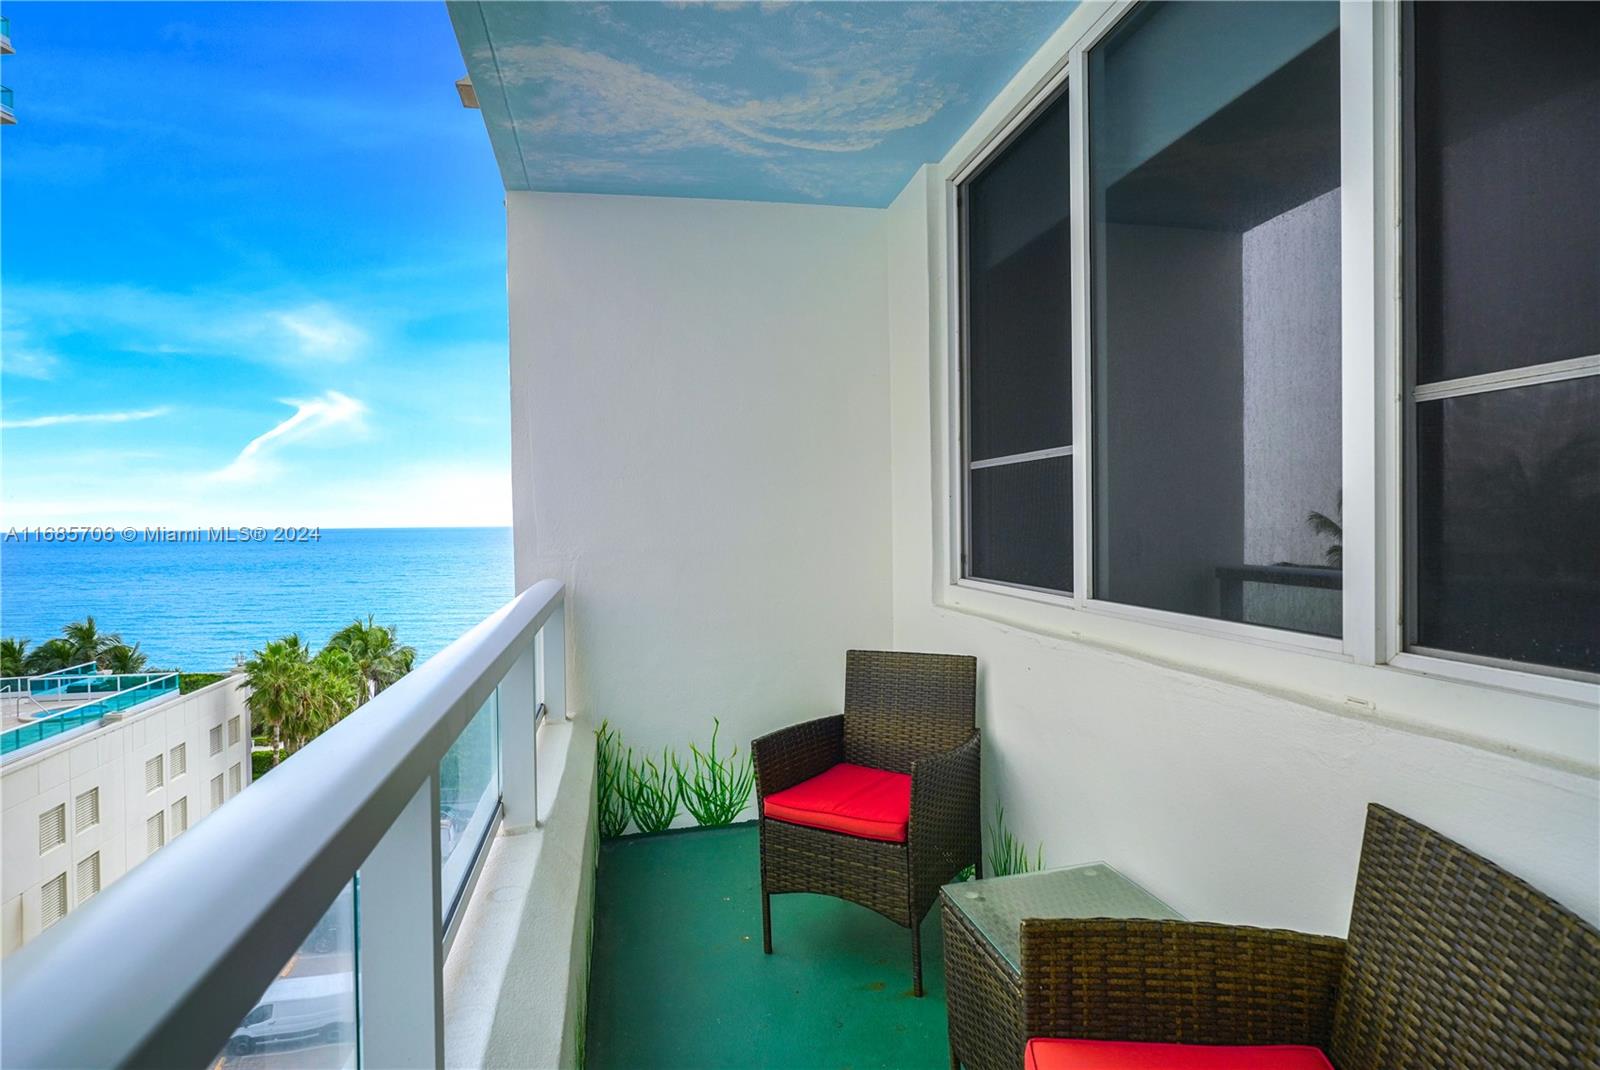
<point x="297" y="1009"/>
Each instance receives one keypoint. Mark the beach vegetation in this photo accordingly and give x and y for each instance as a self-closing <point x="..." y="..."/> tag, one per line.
<point x="80" y="641"/>
<point x="379" y="656"/>
<point x="296" y="693"/>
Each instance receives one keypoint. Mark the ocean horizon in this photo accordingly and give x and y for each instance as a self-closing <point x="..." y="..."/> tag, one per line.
<point x="201" y="603"/>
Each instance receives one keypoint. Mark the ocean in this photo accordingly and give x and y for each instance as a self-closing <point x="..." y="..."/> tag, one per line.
<point x="198" y="605"/>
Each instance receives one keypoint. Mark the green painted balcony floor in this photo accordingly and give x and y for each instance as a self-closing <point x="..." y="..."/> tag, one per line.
<point x="679" y="980"/>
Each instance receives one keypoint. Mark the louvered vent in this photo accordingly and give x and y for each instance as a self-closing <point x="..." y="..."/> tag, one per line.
<point x="155" y="832"/>
<point x="233" y="730"/>
<point x="53" y="901"/>
<point x="152" y="774"/>
<point x="88" y="876"/>
<point x="178" y="760"/>
<point x="52" y="828"/>
<point x="235" y="780"/>
<point x="216" y="791"/>
<point x="216" y="740"/>
<point x="180" y="815"/>
<point x="86" y="810"/>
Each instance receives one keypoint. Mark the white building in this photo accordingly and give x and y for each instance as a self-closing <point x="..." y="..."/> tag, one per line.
<point x="83" y="808"/>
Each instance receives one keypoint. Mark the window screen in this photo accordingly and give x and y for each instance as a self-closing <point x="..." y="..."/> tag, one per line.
<point x="1215" y="258"/>
<point x="1503" y="281"/>
<point x="1017" y="283"/>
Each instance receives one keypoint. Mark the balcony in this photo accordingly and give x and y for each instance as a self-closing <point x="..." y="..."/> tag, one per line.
<point x="373" y="837"/>
<point x="753" y="428"/>
<point x="7" y="116"/>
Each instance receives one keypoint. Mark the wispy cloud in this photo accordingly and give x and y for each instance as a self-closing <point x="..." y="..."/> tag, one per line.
<point x="593" y="95"/>
<point x="311" y="419"/>
<point x="20" y="357"/>
<point x="322" y="332"/>
<point x="134" y="319"/>
<point x="56" y="419"/>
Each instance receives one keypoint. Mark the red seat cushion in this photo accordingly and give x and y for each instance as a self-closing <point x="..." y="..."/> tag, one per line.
<point x="873" y="804"/>
<point x="1047" y="1054"/>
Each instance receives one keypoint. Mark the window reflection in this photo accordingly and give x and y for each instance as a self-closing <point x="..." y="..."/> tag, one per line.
<point x="306" y="1019"/>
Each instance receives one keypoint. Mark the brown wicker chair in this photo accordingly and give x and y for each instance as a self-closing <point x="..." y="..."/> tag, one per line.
<point x="907" y="713"/>
<point x="1451" y="962"/>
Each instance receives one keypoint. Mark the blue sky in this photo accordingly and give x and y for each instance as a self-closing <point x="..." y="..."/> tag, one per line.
<point x="253" y="270"/>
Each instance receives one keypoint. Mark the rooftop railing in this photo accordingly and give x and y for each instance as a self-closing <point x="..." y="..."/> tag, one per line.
<point x="11" y="685"/>
<point x="331" y="884"/>
<point x="118" y="692"/>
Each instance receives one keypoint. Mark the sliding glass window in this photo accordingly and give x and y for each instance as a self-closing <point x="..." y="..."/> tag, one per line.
<point x="1503" y="331"/>
<point x="1017" y="359"/>
<point x="1215" y="287"/>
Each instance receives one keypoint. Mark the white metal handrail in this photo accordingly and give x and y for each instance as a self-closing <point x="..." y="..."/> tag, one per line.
<point x="158" y="969"/>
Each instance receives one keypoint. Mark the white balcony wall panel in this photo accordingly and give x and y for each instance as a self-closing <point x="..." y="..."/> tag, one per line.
<point x="700" y="450"/>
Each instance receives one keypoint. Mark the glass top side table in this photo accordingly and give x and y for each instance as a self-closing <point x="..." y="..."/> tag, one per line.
<point x="996" y="906"/>
<point x="983" y="948"/>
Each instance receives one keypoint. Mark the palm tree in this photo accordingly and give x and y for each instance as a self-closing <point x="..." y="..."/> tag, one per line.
<point x="89" y="643"/>
<point x="277" y="675"/>
<point x="124" y="659"/>
<point x="336" y="686"/>
<point x="50" y="656"/>
<point x="13" y="656"/>
<point x="380" y="657"/>
<point x="1332" y="529"/>
<point x="296" y="696"/>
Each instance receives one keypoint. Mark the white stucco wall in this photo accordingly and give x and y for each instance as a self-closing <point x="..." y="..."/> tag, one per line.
<point x="111" y="756"/>
<point x="700" y="449"/>
<point x="730" y="432"/>
<point x="1230" y="779"/>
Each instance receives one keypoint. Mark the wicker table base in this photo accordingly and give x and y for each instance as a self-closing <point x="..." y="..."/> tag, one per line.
<point x="982" y="951"/>
<point x="983" y="996"/>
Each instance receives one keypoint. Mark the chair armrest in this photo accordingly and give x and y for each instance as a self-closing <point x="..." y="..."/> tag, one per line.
<point x="944" y="832"/>
<point x="786" y="757"/>
<point x="1178" y="982"/>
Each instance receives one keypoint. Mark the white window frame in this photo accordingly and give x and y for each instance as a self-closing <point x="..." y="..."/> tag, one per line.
<point x="1372" y="372"/>
<point x="1050" y="93"/>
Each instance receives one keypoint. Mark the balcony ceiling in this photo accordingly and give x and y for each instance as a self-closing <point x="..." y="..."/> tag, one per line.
<point x="823" y="103"/>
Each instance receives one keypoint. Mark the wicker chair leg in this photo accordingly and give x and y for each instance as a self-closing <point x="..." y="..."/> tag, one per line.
<point x="766" y="922"/>
<point x="916" y="959"/>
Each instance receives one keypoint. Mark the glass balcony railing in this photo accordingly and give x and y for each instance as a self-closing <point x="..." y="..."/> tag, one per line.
<point x="14" y="685"/>
<point x="5" y="99"/>
<point x="121" y="692"/>
<point x="317" y="908"/>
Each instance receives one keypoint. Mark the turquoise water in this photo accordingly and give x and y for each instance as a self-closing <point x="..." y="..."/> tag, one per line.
<point x="196" y="605"/>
